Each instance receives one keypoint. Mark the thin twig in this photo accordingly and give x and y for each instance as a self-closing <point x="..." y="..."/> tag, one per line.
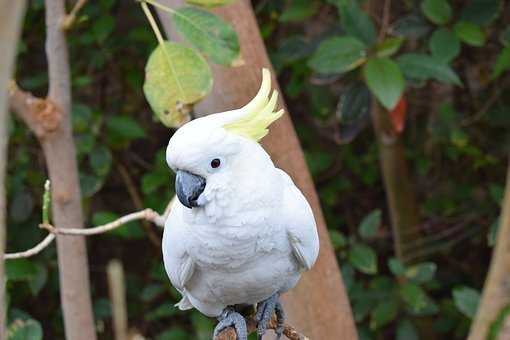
<point x="498" y="90"/>
<point x="385" y="20"/>
<point x="70" y="18"/>
<point x="137" y="202"/>
<point x="32" y="251"/>
<point x="147" y="214"/>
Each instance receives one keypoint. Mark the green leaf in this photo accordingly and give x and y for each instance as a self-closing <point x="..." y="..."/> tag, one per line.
<point x="81" y="117"/>
<point x="209" y="34"/>
<point x="152" y="181"/>
<point x="384" y="79"/>
<point x="389" y="46"/>
<point x="29" y="329"/>
<point x="353" y="111"/>
<point x="370" y="224"/>
<point x="209" y="3"/>
<point x="383" y="313"/>
<point x="396" y="267"/>
<point x="151" y="292"/>
<point x="202" y="326"/>
<point x="84" y="143"/>
<point x="411" y="26"/>
<point x="466" y="300"/>
<point x="175" y="77"/>
<point x="20" y="270"/>
<point x="293" y="49"/>
<point x="90" y="184"/>
<point x="356" y="22"/>
<point x="493" y="233"/>
<point x="437" y="11"/>
<point x="481" y="12"/>
<point x="173" y="334"/>
<point x="504" y="36"/>
<point x="502" y="63"/>
<point x="125" y="127"/>
<point x="101" y="160"/>
<point x="414" y="296"/>
<point x="103" y="27"/>
<point x="444" y="45"/>
<point x="424" y="67"/>
<point x="421" y="273"/>
<point x="469" y="33"/>
<point x="299" y="10"/>
<point x="21" y="206"/>
<point x="102" y="309"/>
<point x="363" y="258"/>
<point x="38" y="280"/>
<point x="499" y="324"/>
<point x="337" y="239"/>
<point x="406" y="331"/>
<point x="338" y="55"/>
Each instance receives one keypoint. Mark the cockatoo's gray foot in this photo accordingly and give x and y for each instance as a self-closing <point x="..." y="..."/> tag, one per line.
<point x="265" y="310"/>
<point x="229" y="318"/>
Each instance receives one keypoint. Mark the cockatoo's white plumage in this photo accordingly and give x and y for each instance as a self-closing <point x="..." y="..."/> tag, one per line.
<point x="251" y="232"/>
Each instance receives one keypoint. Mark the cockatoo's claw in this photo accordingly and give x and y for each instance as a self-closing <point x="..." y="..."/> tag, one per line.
<point x="280" y="320"/>
<point x="229" y="318"/>
<point x="265" y="310"/>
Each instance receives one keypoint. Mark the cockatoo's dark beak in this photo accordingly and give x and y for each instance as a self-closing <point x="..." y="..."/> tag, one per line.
<point x="188" y="188"/>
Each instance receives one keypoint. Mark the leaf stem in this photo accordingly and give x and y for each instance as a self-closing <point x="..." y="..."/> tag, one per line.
<point x="46" y="202"/>
<point x="152" y="22"/>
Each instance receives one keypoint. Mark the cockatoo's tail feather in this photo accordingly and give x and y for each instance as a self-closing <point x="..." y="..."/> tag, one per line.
<point x="258" y="114"/>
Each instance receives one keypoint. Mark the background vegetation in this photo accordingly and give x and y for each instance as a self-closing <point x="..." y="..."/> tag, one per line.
<point x="446" y="63"/>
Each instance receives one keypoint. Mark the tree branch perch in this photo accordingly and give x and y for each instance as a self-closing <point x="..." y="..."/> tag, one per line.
<point x="290" y="332"/>
<point x="146" y="214"/>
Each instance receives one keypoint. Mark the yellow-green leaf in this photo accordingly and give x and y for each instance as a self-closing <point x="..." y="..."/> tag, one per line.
<point x="469" y="33"/>
<point x="389" y="46"/>
<point x="209" y="34"/>
<point x="175" y="77"/>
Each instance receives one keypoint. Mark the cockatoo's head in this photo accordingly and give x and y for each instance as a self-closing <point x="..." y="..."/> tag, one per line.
<point x="211" y="154"/>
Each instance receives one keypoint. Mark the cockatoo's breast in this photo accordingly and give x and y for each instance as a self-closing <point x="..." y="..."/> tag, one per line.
<point x="231" y="243"/>
<point x="241" y="264"/>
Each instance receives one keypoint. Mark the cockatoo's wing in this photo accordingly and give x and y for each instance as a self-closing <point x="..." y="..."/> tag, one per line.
<point x="179" y="265"/>
<point x="300" y="225"/>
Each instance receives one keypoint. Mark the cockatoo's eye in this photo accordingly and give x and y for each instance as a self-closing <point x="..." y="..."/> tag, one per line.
<point x="215" y="163"/>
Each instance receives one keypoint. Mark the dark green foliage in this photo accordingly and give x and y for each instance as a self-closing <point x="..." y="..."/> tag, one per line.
<point x="453" y="140"/>
<point x="324" y="52"/>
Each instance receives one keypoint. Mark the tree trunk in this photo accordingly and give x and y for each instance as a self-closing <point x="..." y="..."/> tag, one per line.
<point x="59" y="151"/>
<point x="318" y="306"/>
<point x="399" y="191"/>
<point x="11" y="18"/>
<point x="496" y="291"/>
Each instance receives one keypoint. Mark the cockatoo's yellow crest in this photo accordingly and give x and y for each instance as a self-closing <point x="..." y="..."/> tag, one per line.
<point x="258" y="114"/>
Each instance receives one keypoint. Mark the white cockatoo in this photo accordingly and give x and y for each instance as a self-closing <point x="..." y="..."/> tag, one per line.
<point x="241" y="232"/>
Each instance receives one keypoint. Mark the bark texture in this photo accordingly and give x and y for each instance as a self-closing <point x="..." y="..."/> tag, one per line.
<point x="496" y="291"/>
<point x="11" y="18"/>
<point x="318" y="306"/>
<point x="399" y="190"/>
<point x="60" y="154"/>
